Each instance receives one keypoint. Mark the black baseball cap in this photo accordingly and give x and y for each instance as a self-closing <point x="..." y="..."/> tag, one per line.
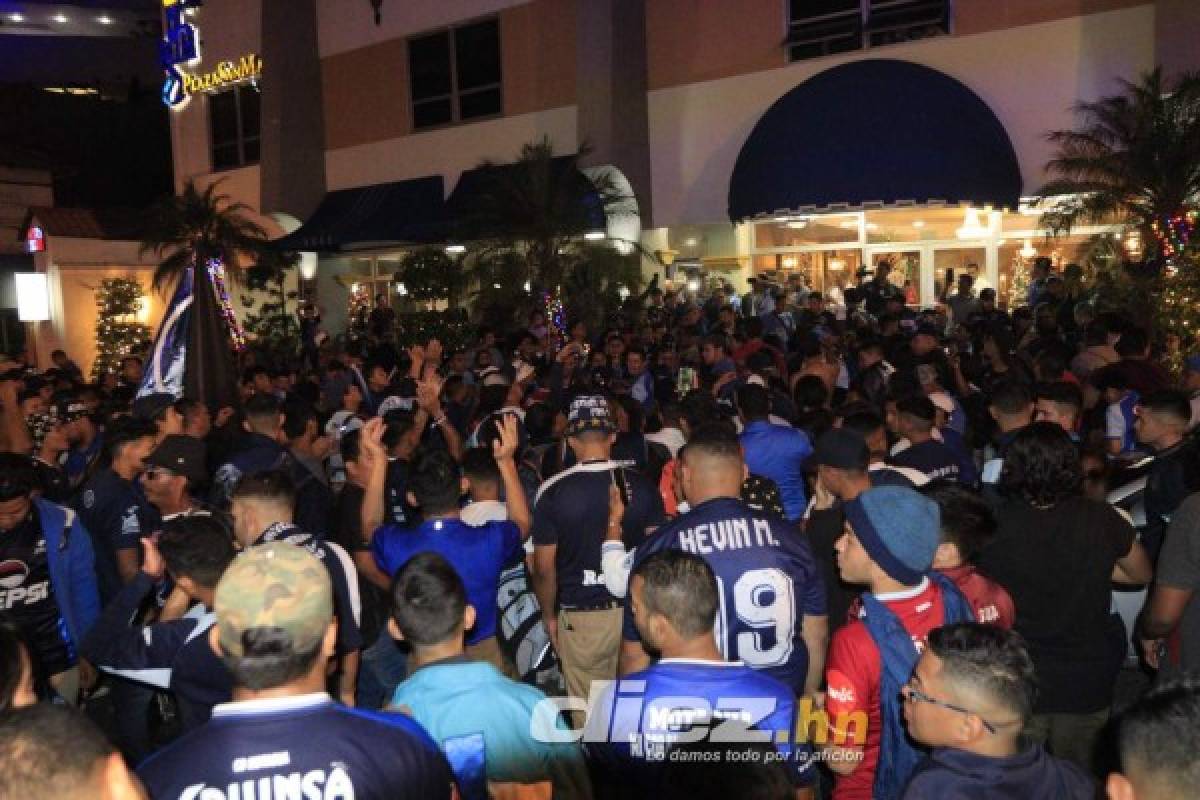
<point x="149" y="406"/>
<point x="842" y="448"/>
<point x="183" y="455"/>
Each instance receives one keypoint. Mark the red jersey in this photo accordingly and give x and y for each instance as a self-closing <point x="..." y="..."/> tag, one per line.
<point x="853" y="674"/>
<point x="989" y="600"/>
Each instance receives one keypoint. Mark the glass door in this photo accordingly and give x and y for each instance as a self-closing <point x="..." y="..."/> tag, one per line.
<point x="908" y="271"/>
<point x="949" y="262"/>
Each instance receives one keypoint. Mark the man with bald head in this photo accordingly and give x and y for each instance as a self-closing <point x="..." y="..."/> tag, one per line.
<point x="772" y="605"/>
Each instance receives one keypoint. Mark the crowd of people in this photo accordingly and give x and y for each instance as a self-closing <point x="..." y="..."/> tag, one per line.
<point x="757" y="546"/>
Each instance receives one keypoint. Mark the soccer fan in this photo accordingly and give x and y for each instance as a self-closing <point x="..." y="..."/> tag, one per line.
<point x="1060" y="402"/>
<point x="1161" y="423"/>
<point x="48" y="752"/>
<point x="971" y="692"/>
<point x="1120" y="410"/>
<point x="276" y="632"/>
<point x="927" y="455"/>
<point x="967" y="525"/>
<point x="888" y="547"/>
<point x="175" y="654"/>
<point x="674" y="601"/>
<point x="1172" y="611"/>
<point x="159" y="408"/>
<point x="112" y="507"/>
<point x="1158" y="740"/>
<point x="479" y="553"/>
<point x="174" y="472"/>
<point x="47" y="574"/>
<point x="262" y="513"/>
<point x="262" y="451"/>
<point x="778" y="452"/>
<point x="772" y="596"/>
<point x="1049" y="536"/>
<point x="486" y="723"/>
<point x="570" y="518"/>
<point x="1011" y="406"/>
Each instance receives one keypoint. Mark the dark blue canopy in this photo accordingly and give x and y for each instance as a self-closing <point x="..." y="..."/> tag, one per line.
<point x="498" y="199"/>
<point x="874" y="131"/>
<point x="385" y="213"/>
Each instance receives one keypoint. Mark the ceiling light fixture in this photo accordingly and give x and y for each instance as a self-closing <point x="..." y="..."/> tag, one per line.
<point x="16" y="17"/>
<point x="61" y="19"/>
<point x="104" y="19"/>
<point x="972" y="227"/>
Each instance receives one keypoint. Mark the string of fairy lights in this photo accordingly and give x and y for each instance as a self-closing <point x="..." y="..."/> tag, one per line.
<point x="216" y="273"/>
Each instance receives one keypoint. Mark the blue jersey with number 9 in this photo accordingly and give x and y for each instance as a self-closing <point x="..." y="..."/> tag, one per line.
<point x="767" y="578"/>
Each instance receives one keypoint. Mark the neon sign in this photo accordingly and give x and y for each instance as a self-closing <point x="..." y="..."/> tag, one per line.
<point x="227" y="73"/>
<point x="180" y="47"/>
<point x="180" y="50"/>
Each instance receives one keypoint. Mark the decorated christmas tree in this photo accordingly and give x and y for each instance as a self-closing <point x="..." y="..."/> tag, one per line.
<point x="118" y="332"/>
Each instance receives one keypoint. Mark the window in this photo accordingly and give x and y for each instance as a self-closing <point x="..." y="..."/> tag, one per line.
<point x="824" y="27"/>
<point x="234" y="127"/>
<point x="454" y="75"/>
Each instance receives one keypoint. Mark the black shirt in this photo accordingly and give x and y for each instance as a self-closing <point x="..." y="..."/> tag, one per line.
<point x="396" y="508"/>
<point x="1057" y="564"/>
<point x="27" y="597"/>
<point x="571" y="511"/>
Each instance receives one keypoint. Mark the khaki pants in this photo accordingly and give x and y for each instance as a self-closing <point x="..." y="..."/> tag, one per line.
<point x="1069" y="736"/>
<point x="489" y="650"/>
<point x="589" y="645"/>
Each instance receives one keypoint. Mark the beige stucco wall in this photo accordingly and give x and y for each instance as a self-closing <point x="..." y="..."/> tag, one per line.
<point x="74" y="268"/>
<point x="1030" y="76"/>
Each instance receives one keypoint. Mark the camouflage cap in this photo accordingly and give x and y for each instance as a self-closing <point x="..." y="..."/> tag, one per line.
<point x="274" y="585"/>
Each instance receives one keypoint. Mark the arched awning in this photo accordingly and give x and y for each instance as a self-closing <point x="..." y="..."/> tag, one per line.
<point x="874" y="132"/>
<point x="385" y="214"/>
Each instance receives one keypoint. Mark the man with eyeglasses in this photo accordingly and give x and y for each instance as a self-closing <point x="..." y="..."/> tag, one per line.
<point x="968" y="700"/>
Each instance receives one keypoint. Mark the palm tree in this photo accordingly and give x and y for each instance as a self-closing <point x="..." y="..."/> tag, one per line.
<point x="527" y="222"/>
<point x="1135" y="156"/>
<point x="197" y="225"/>
<point x="188" y="232"/>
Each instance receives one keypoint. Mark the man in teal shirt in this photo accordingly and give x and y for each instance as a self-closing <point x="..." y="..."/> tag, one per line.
<point x="483" y="721"/>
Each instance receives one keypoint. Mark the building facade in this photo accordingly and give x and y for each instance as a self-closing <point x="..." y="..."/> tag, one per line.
<point x="690" y="100"/>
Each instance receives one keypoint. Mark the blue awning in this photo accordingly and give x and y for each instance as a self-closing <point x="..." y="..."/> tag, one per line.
<point x="875" y="131"/>
<point x="403" y="212"/>
<point x="501" y="198"/>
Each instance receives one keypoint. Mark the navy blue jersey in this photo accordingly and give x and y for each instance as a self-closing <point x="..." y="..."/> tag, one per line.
<point x="639" y="719"/>
<point x="932" y="458"/>
<point x="767" y="577"/>
<point x="171" y="655"/>
<point x="116" y="514"/>
<point x="571" y="512"/>
<point x="305" y="746"/>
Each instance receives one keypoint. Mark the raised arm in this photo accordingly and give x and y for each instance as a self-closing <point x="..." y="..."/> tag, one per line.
<point x="504" y="449"/>
<point x="429" y="400"/>
<point x="371" y="443"/>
